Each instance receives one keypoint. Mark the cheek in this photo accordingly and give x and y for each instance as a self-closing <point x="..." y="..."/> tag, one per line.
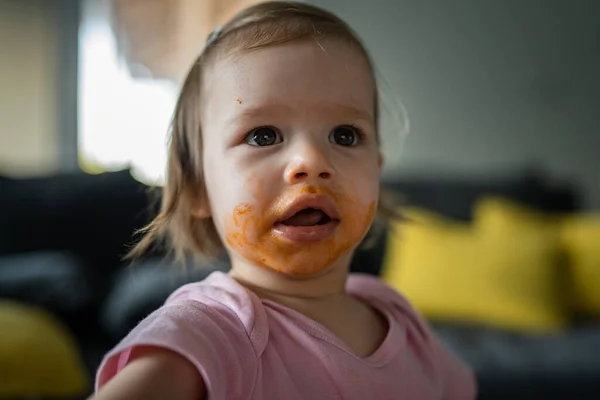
<point x="362" y="182"/>
<point x="240" y="190"/>
<point x="221" y="186"/>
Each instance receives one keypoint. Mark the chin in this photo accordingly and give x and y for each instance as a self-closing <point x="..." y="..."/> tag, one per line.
<point x="300" y="273"/>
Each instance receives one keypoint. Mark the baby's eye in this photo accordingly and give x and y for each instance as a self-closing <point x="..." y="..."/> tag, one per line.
<point x="263" y="136"/>
<point x="345" y="136"/>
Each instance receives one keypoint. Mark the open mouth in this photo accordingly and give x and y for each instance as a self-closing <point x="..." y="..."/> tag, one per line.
<point x="308" y="217"/>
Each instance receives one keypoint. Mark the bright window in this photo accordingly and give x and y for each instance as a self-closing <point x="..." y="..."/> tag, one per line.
<point x="123" y="122"/>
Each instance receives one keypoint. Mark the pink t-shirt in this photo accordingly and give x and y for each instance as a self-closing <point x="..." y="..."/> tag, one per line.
<point x="248" y="348"/>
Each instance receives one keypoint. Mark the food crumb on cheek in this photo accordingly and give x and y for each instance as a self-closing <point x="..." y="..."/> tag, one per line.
<point x="239" y="100"/>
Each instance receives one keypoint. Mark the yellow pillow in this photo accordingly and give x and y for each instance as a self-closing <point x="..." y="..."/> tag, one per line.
<point x="580" y="238"/>
<point x="428" y="260"/>
<point x="500" y="271"/>
<point x="523" y="247"/>
<point x="38" y="358"/>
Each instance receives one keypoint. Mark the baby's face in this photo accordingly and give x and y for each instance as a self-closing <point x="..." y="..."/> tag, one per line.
<point x="290" y="154"/>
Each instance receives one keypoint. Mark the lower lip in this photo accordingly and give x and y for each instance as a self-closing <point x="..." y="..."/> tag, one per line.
<point x="306" y="234"/>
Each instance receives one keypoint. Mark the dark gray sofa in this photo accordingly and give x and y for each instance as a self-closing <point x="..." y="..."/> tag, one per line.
<point x="62" y="237"/>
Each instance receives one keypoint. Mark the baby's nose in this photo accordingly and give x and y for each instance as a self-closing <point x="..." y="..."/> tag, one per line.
<point x="304" y="175"/>
<point x="309" y="165"/>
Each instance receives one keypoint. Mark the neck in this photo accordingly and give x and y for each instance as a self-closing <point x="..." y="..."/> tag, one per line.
<point x="268" y="283"/>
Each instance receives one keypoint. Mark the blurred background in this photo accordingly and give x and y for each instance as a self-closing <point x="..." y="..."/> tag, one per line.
<point x="500" y="175"/>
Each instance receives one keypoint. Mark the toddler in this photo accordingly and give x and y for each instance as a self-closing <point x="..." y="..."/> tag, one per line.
<point x="274" y="157"/>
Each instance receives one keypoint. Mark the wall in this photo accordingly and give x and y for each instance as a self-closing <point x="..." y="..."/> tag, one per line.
<point x="490" y="85"/>
<point x="29" y="87"/>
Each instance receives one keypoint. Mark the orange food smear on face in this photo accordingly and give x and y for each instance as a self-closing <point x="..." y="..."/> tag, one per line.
<point x="250" y="232"/>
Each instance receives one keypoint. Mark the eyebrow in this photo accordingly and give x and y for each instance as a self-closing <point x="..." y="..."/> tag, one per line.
<point x="279" y="108"/>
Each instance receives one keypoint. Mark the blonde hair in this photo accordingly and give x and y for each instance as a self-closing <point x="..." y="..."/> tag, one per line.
<point x="264" y="24"/>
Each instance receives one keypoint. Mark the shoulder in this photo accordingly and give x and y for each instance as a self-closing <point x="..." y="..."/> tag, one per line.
<point x="220" y="295"/>
<point x="214" y="324"/>
<point x="455" y="376"/>
<point x="219" y="304"/>
<point x="373" y="289"/>
<point x="382" y="296"/>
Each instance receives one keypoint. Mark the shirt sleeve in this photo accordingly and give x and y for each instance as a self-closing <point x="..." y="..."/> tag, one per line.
<point x="213" y="340"/>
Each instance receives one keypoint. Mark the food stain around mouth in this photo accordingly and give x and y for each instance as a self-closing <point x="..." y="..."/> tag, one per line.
<point x="249" y="231"/>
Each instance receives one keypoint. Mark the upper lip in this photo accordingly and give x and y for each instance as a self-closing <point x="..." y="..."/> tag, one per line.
<point x="317" y="201"/>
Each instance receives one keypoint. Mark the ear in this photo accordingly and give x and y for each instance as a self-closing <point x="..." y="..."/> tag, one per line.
<point x="199" y="207"/>
<point x="200" y="210"/>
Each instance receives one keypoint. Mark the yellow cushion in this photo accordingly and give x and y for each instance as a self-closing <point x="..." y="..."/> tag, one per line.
<point x="580" y="238"/>
<point x="500" y="271"/>
<point x="524" y="250"/>
<point x="428" y="259"/>
<point x="37" y="355"/>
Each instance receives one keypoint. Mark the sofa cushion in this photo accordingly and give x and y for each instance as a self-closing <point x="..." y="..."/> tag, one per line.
<point x="142" y="287"/>
<point x="93" y="216"/>
<point x="56" y="281"/>
<point x="38" y="356"/>
<point x="500" y="271"/>
<point x="580" y="239"/>
<point x="456" y="197"/>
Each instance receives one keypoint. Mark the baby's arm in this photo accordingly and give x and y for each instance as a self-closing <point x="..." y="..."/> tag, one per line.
<point x="154" y="373"/>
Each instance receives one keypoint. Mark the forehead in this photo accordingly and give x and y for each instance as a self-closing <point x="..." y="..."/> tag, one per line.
<point x="304" y="75"/>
